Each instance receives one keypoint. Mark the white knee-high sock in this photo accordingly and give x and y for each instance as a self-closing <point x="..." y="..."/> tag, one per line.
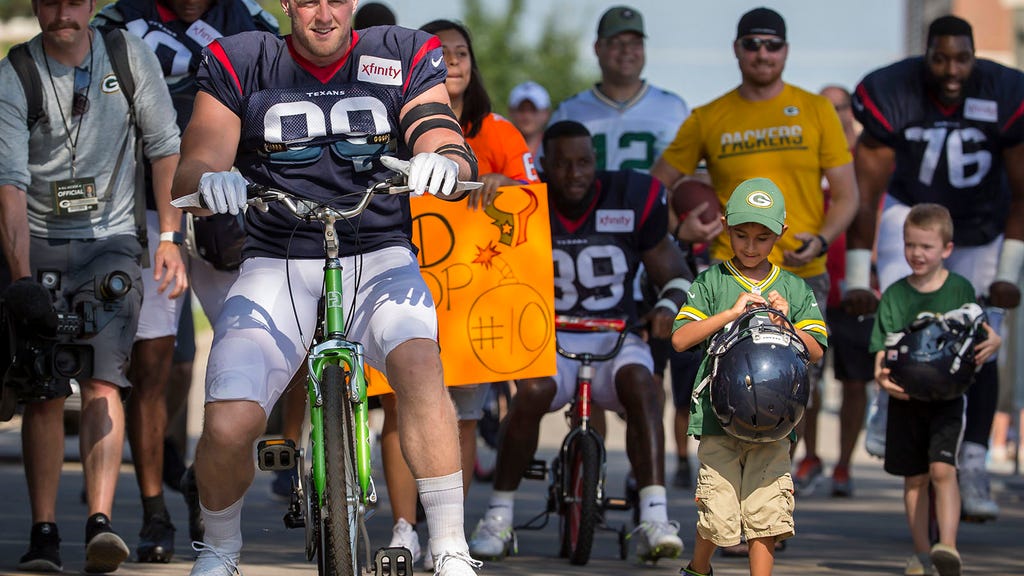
<point x="442" y="503"/>
<point x="224" y="527"/>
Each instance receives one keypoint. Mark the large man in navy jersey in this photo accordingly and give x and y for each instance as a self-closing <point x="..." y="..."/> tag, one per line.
<point x="312" y="114"/>
<point x="176" y="31"/>
<point x="946" y="128"/>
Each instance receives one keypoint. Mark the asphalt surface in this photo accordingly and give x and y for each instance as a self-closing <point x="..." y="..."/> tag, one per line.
<point x="865" y="534"/>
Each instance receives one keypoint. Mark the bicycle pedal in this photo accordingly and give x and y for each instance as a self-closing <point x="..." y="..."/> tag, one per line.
<point x="616" y="504"/>
<point x="395" y="561"/>
<point x="276" y="454"/>
<point x="294" y="520"/>
<point x="537" y="470"/>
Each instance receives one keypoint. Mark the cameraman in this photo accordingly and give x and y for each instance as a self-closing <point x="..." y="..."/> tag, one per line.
<point x="82" y="149"/>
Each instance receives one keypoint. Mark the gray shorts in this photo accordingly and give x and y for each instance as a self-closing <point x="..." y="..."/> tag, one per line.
<point x="469" y="400"/>
<point x="82" y="264"/>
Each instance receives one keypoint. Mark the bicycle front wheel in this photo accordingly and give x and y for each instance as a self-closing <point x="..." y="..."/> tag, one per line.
<point x="340" y="513"/>
<point x="581" y="512"/>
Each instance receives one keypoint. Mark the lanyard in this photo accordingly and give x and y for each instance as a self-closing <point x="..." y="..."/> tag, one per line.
<point x="72" y="143"/>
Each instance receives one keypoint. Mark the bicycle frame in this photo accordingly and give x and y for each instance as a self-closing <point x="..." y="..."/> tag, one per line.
<point x="349" y="355"/>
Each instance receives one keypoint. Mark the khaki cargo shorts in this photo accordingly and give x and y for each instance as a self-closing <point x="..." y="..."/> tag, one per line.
<point x="745" y="487"/>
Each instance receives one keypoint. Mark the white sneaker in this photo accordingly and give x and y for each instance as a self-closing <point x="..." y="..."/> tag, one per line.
<point x="428" y="562"/>
<point x="456" y="564"/>
<point x="874" y="434"/>
<point x="213" y="562"/>
<point x="403" y="535"/>
<point x="493" y="539"/>
<point x="657" y="540"/>
<point x="976" y="503"/>
<point x="916" y="568"/>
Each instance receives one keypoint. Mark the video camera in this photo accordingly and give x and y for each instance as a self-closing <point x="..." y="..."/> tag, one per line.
<point x="39" y="354"/>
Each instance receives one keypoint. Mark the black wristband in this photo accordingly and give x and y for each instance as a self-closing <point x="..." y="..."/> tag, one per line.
<point x="824" y="245"/>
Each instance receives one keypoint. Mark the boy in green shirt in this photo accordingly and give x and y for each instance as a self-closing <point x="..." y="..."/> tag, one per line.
<point x="923" y="438"/>
<point x="744" y="486"/>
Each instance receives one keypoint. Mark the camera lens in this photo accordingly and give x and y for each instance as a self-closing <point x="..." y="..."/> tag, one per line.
<point x="115" y="285"/>
<point x="67" y="361"/>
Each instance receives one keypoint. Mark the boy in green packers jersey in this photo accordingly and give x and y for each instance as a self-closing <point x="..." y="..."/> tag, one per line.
<point x="744" y="486"/>
<point x="922" y="437"/>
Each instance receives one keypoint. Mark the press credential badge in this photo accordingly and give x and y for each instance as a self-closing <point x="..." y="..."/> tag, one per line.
<point x="74" y="196"/>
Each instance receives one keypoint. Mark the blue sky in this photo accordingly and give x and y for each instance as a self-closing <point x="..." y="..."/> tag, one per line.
<point x="689" y="46"/>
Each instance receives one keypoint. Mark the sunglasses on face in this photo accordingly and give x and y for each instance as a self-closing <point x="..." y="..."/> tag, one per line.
<point x="751" y="44"/>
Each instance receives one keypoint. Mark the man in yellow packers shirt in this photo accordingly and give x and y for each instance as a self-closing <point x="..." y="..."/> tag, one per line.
<point x="767" y="128"/>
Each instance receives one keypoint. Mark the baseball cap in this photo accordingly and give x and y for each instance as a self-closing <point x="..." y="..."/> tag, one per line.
<point x="620" y="19"/>
<point x="761" y="21"/>
<point x="757" y="200"/>
<point x="531" y="91"/>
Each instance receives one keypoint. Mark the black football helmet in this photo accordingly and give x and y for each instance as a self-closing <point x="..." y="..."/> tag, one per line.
<point x="759" y="381"/>
<point x="933" y="358"/>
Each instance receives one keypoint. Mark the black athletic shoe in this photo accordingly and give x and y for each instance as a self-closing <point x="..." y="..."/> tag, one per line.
<point x="104" y="549"/>
<point x="190" y="490"/>
<point x="43" y="550"/>
<point x="684" y="476"/>
<point x="174" y="466"/>
<point x="156" y="540"/>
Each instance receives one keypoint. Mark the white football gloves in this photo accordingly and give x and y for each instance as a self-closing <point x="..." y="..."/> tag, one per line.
<point x="223" y="192"/>
<point x="427" y="173"/>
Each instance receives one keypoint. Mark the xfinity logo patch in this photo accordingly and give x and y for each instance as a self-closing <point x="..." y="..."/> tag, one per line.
<point x="615" y="220"/>
<point x="380" y="70"/>
<point x="203" y="33"/>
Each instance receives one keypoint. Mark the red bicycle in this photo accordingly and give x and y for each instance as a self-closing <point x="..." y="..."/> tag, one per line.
<point x="576" y="491"/>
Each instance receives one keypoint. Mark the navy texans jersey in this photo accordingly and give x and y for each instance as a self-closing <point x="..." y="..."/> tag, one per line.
<point x="318" y="132"/>
<point x="948" y="155"/>
<point x="597" y="255"/>
<point x="178" y="45"/>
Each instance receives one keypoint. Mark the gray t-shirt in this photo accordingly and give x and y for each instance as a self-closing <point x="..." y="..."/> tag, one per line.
<point x="33" y="162"/>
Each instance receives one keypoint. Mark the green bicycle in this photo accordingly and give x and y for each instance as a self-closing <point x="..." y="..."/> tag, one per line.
<point x="335" y="493"/>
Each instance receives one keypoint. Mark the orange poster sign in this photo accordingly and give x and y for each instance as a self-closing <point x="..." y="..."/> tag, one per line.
<point x="492" y="277"/>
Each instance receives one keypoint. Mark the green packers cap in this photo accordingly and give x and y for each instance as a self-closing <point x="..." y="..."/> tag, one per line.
<point x="620" y="19"/>
<point x="757" y="200"/>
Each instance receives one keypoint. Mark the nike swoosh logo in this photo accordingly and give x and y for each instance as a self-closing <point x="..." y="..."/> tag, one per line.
<point x="437" y="62"/>
<point x="653" y="504"/>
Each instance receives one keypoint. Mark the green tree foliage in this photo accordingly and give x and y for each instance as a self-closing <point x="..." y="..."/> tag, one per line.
<point x="505" y="59"/>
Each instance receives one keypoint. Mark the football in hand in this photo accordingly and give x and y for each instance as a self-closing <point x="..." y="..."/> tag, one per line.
<point x="689" y="194"/>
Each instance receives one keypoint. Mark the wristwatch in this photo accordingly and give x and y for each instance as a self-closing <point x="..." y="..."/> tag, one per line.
<point x="175" y="237"/>
<point x="824" y="245"/>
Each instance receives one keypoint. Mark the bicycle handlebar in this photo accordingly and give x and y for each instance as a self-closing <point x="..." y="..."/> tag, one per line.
<point x="582" y="325"/>
<point x="259" y="196"/>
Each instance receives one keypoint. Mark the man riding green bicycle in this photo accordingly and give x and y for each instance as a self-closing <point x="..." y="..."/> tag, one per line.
<point x="312" y="114"/>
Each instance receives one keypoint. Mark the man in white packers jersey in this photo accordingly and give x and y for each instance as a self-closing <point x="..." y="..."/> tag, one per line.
<point x="768" y="128"/>
<point x="630" y="120"/>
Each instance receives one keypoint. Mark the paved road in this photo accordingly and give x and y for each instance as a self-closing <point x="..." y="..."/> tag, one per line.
<point x="862" y="535"/>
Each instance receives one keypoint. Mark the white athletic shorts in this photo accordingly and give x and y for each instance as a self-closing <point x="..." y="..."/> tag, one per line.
<point x="976" y="263"/>
<point x="159" y="315"/>
<point x="257" y="341"/>
<point x="209" y="284"/>
<point x="634" y="351"/>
